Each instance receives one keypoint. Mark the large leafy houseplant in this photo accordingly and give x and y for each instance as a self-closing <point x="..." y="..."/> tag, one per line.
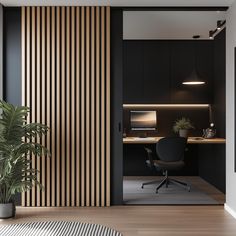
<point x="17" y="143"/>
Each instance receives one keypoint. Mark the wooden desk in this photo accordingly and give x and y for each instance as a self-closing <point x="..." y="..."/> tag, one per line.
<point x="192" y="140"/>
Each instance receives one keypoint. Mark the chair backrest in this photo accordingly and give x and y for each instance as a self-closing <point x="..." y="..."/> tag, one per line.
<point x="171" y="149"/>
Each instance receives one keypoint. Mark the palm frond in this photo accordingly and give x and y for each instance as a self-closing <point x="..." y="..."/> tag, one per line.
<point x="16" y="174"/>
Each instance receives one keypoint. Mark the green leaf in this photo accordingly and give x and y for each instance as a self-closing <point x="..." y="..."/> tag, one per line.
<point x="18" y="142"/>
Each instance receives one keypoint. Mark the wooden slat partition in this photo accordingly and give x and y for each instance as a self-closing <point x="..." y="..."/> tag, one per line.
<point x="23" y="72"/>
<point x="66" y="83"/>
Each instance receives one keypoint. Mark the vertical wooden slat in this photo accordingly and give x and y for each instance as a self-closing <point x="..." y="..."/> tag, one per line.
<point x="82" y="109"/>
<point x="63" y="108"/>
<point x="66" y="82"/>
<point x="43" y="104"/>
<point x="92" y="109"/>
<point x="108" y="106"/>
<point x="102" y="106"/>
<point x="78" y="118"/>
<point x="87" y="106"/>
<point x="28" y="84"/>
<point x="48" y="103"/>
<point x="53" y="101"/>
<point x="72" y="146"/>
<point x="68" y="112"/>
<point x="38" y="91"/>
<point x="58" y="126"/>
<point x="33" y="105"/>
<point x="98" y="106"/>
<point x="23" y="87"/>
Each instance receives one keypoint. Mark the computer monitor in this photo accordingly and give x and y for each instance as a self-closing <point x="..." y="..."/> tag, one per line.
<point x="143" y="120"/>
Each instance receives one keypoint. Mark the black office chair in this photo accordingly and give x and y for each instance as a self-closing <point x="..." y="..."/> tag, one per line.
<point x="170" y="151"/>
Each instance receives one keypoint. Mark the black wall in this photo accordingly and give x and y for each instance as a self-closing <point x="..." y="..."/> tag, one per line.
<point x="154" y="71"/>
<point x="116" y="107"/>
<point x="219" y="97"/>
<point x="212" y="157"/>
<point x="12" y="55"/>
<point x="12" y="58"/>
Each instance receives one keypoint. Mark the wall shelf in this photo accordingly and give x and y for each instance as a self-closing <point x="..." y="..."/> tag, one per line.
<point x="166" y="105"/>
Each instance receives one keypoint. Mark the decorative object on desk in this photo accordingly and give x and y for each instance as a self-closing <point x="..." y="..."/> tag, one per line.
<point x="182" y="126"/>
<point x="209" y="132"/>
<point x="17" y="143"/>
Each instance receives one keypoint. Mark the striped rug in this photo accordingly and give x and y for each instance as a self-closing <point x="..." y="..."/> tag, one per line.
<point x="57" y="228"/>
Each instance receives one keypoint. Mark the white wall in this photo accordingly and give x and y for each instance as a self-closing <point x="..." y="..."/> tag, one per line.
<point x="230" y="127"/>
<point x="169" y="24"/>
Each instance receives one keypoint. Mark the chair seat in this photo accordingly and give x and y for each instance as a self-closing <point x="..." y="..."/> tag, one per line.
<point x="168" y="165"/>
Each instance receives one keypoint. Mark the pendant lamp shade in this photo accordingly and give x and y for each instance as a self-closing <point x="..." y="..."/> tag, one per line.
<point x="194" y="78"/>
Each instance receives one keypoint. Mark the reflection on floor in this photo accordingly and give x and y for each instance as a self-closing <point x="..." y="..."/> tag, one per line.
<point x="202" y="193"/>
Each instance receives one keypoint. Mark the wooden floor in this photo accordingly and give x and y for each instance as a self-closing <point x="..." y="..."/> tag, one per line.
<point x="142" y="220"/>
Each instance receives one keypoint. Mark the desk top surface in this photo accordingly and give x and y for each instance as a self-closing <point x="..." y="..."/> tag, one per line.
<point x="193" y="140"/>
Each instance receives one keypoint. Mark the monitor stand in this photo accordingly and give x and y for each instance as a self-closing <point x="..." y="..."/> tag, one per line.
<point x="143" y="135"/>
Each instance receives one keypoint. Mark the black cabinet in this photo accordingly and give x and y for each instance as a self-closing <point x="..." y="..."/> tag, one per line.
<point x="133" y="72"/>
<point x="154" y="71"/>
<point x="146" y="72"/>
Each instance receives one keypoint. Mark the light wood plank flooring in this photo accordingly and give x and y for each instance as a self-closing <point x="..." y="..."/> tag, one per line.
<point x="142" y="220"/>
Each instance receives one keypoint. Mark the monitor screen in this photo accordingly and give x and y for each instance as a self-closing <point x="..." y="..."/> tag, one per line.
<point x="143" y="120"/>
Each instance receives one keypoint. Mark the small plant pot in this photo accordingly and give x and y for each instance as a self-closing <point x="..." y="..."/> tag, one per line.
<point x="183" y="133"/>
<point x="7" y="210"/>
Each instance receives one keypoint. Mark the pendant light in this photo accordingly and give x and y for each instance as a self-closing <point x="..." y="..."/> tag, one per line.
<point x="194" y="78"/>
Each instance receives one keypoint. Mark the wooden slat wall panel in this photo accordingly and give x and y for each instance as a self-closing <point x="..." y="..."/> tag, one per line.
<point x="108" y="104"/>
<point x="92" y="108"/>
<point x="48" y="104"/>
<point x="82" y="111"/>
<point x="53" y="111"/>
<point x="28" y="77"/>
<point x="78" y="108"/>
<point x="63" y="111"/>
<point x="38" y="84"/>
<point x="23" y="74"/>
<point x="58" y="110"/>
<point x="66" y="82"/>
<point x="73" y="108"/>
<point x="98" y="107"/>
<point x="68" y="112"/>
<point x="43" y="104"/>
<point x="33" y="91"/>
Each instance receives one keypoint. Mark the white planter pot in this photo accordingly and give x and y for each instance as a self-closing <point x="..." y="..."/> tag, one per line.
<point x="183" y="133"/>
<point x="7" y="210"/>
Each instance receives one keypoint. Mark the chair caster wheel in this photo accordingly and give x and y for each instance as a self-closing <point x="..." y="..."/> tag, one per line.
<point x="189" y="188"/>
<point x="142" y="186"/>
<point x="156" y="191"/>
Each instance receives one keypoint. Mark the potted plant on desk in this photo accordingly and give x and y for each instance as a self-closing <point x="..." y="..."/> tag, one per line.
<point x="17" y="143"/>
<point x="182" y="126"/>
